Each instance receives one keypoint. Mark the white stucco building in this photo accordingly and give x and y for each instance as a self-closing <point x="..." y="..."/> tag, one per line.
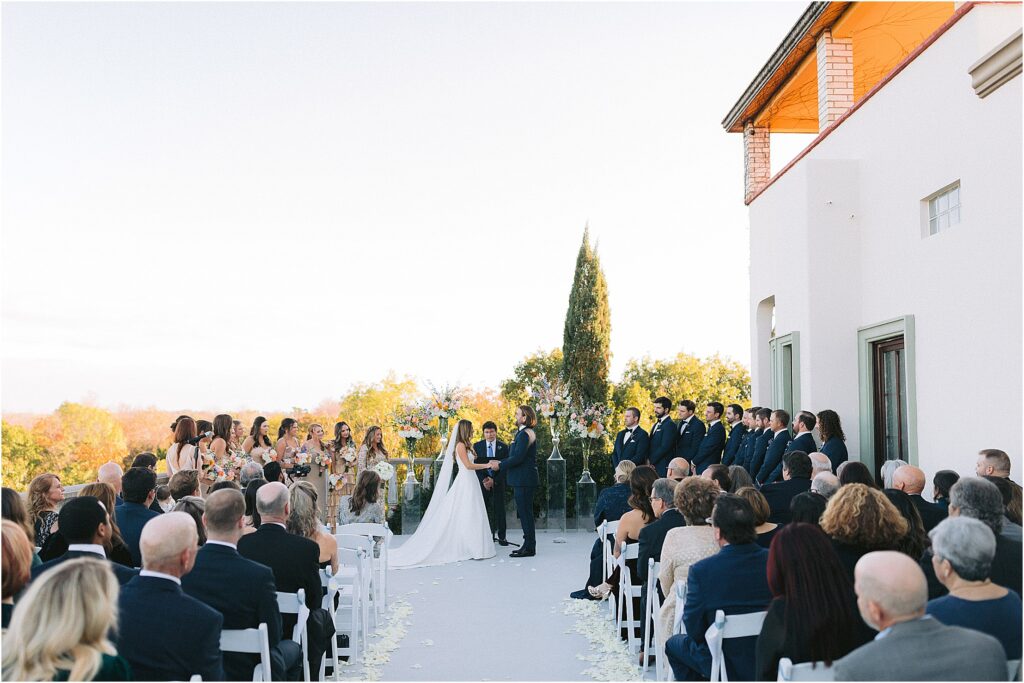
<point x="885" y="259"/>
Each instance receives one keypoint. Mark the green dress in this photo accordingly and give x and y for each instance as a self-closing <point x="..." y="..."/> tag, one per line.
<point x="112" y="668"/>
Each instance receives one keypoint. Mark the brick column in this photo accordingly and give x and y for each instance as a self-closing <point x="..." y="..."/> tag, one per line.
<point x="756" y="159"/>
<point x="835" y="78"/>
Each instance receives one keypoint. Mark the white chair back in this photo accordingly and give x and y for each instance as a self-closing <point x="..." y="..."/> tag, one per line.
<point x="352" y="613"/>
<point x="1013" y="669"/>
<point x="652" y="629"/>
<point x="729" y="626"/>
<point x="370" y="581"/>
<point x="805" y="671"/>
<point x="678" y="626"/>
<point x="382" y="536"/>
<point x="627" y="591"/>
<point x="248" y="641"/>
<point x="295" y="603"/>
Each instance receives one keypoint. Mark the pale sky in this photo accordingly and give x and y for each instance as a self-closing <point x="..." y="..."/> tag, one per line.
<point x="258" y="205"/>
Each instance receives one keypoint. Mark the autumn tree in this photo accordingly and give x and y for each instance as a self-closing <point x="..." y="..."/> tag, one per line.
<point x="78" y="439"/>
<point x="23" y="458"/>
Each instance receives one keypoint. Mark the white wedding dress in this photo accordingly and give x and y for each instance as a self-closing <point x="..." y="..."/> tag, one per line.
<point x="454" y="527"/>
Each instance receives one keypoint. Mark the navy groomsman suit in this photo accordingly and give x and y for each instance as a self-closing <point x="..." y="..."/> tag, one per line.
<point x="734" y="446"/>
<point x="758" y="450"/>
<point x="636" y="448"/>
<point x="747" y="448"/>
<point x="773" y="457"/>
<point x="663" y="441"/>
<point x="521" y="470"/>
<point x="691" y="433"/>
<point x="804" y="442"/>
<point x="709" y="450"/>
<point x="835" y="449"/>
<point x="494" y="500"/>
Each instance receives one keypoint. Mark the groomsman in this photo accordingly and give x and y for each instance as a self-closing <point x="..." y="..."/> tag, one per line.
<point x="760" y="447"/>
<point x="804" y="440"/>
<point x="709" y="452"/>
<point x="493" y="483"/>
<point x="632" y="443"/>
<point x="737" y="430"/>
<point x="691" y="431"/>
<point x="663" y="436"/>
<point x="771" y="470"/>
<point x="750" y="434"/>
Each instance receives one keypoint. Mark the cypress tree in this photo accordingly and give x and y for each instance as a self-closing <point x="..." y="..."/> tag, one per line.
<point x="588" y="328"/>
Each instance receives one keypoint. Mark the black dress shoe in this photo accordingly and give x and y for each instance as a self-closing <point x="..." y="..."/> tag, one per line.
<point x="502" y="541"/>
<point x="522" y="553"/>
<point x="582" y="595"/>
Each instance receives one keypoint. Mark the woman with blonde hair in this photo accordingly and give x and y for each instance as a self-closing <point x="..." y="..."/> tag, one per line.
<point x="372" y="451"/>
<point x="860" y="519"/>
<point x="118" y="550"/>
<point x="320" y="463"/>
<point x="44" y="497"/>
<point x="60" y="629"/>
<point x="17" y="565"/>
<point x="304" y="521"/>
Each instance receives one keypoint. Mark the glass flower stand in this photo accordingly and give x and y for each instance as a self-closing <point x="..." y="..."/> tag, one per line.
<point x="556" y="484"/>
<point x="586" y="494"/>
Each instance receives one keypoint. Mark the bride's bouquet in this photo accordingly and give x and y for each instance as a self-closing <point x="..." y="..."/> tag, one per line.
<point x="445" y="402"/>
<point x="385" y="470"/>
<point x="589" y="422"/>
<point x="552" y="398"/>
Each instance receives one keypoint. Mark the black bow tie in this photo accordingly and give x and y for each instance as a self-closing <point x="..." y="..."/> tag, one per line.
<point x="630" y="430"/>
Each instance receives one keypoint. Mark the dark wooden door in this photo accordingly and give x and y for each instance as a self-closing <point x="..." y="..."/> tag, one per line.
<point x="890" y="399"/>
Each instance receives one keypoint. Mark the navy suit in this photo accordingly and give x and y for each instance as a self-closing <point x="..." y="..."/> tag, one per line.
<point x="637" y="449"/>
<point x="124" y="574"/>
<point x="244" y="593"/>
<point x="733" y="454"/>
<point x="758" y="450"/>
<point x="494" y="500"/>
<point x="781" y="494"/>
<point x="709" y="451"/>
<point x="804" y="442"/>
<point x="771" y="470"/>
<point x="691" y="433"/>
<point x="167" y="635"/>
<point x="663" y="443"/>
<point x="747" y="448"/>
<point x="735" y="581"/>
<point x="931" y="514"/>
<point x="521" y="470"/>
<point x="835" y="449"/>
<point x="131" y="517"/>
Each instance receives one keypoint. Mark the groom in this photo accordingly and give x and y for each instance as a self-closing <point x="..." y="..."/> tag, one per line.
<point x="521" y="474"/>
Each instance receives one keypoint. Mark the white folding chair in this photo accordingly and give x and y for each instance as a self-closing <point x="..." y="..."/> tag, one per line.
<point x="351" y="614"/>
<point x="652" y="609"/>
<point x="608" y="557"/>
<point x="677" y="619"/>
<point x="628" y="591"/>
<point x="295" y="603"/>
<point x="1013" y="669"/>
<point x="729" y="626"/>
<point x="195" y="677"/>
<point x="381" y="534"/>
<point x="331" y="587"/>
<point x="368" y="589"/>
<point x="248" y="641"/>
<point x="805" y="671"/>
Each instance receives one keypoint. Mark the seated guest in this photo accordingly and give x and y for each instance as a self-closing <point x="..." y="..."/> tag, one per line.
<point x="916" y="540"/>
<point x="148" y="461"/>
<point x="1010" y="530"/>
<point x="138" y="489"/>
<point x="294" y="561"/>
<point x="739" y="477"/>
<point x="979" y="499"/>
<point x="796" y="478"/>
<point x="87" y="528"/>
<point x="860" y="519"/>
<point x="44" y="497"/>
<point x="60" y="629"/>
<point x="252" y="515"/>
<point x="243" y="591"/>
<point x="962" y="553"/>
<point x="184" y="483"/>
<point x="641" y="481"/>
<point x="116" y="549"/>
<point x="910" y="480"/>
<point x="888" y="472"/>
<point x="14" y="511"/>
<point x="272" y="471"/>
<point x="678" y="469"/>
<point x="165" y="634"/>
<point x="813" y="615"/>
<point x="719" y="474"/>
<point x="17" y="565"/>
<point x="612" y="503"/>
<point x="819" y="463"/>
<point x="807" y="508"/>
<point x="250" y="471"/>
<point x="686" y="545"/>
<point x="163" y="500"/>
<point x="833" y="440"/>
<point x="111" y="473"/>
<point x="194" y="507"/>
<point x="854" y="472"/>
<point x="826" y="484"/>
<point x="366" y="504"/>
<point x="226" y="484"/>
<point x="942" y="482"/>
<point x="304" y="522"/>
<point x="734" y="581"/>
<point x="652" y="536"/>
<point x="765" y="530"/>
<point x="993" y="462"/>
<point x="891" y="595"/>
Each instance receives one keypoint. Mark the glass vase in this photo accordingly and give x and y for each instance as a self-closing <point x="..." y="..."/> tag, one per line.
<point x="586" y="493"/>
<point x="556" y="483"/>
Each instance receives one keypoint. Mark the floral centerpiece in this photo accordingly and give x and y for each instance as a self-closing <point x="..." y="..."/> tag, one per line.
<point x="551" y="400"/>
<point x="589" y="424"/>
<point x="413" y="422"/>
<point x="445" y="404"/>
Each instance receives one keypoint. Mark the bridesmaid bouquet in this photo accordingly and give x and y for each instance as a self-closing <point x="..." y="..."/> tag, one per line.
<point x="216" y="473"/>
<point x="589" y="422"/>
<point x="322" y="458"/>
<point x="334" y="480"/>
<point x="348" y="454"/>
<point x="236" y="460"/>
<point x="385" y="469"/>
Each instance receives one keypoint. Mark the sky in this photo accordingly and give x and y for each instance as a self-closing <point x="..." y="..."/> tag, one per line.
<point x="256" y="206"/>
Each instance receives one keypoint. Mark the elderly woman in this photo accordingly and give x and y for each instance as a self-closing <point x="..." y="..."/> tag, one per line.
<point x="889" y="468"/>
<point x="860" y="519"/>
<point x="762" y="511"/>
<point x="962" y="553"/>
<point x="686" y="545"/>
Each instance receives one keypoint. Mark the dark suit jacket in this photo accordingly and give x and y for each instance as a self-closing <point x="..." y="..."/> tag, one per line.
<point x="637" y="450"/>
<point x="804" y="442"/>
<point x="123" y="574"/>
<point x="709" y="451"/>
<point x="734" y="580"/>
<point x="780" y="494"/>
<point x="131" y="517"/>
<point x="1005" y="572"/>
<point x="500" y="453"/>
<point x="771" y="470"/>
<point x="835" y="449"/>
<point x="758" y="449"/>
<point x="689" y="438"/>
<point x="166" y="635"/>
<point x="521" y="465"/>
<point x="931" y="514"/>
<point x="652" y="538"/>
<point x="663" y="441"/>
<point x="243" y="592"/>
<point x="733" y="454"/>
<point x="293" y="559"/>
<point x="612" y="503"/>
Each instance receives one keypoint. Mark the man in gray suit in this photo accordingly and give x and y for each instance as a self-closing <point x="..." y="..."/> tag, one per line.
<point x="892" y="594"/>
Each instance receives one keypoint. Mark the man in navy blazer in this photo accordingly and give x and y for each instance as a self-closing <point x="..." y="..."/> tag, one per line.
<point x="733" y="453"/>
<point x="709" y="450"/>
<point x="165" y="634"/>
<point x="734" y="581"/>
<point x="492" y="484"/>
<point x="796" y="478"/>
<point x="690" y="431"/>
<point x="243" y="591"/>
<point x="804" y="439"/>
<point x="759" y="448"/>
<point x="632" y="443"/>
<point x="771" y="470"/>
<point x="521" y="468"/>
<point x="663" y="436"/>
<point x="749" y="438"/>
<point x="138" y="489"/>
<point x="85" y="525"/>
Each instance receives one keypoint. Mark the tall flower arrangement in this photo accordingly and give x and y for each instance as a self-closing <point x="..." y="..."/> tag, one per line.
<point x="589" y="423"/>
<point x="551" y="400"/>
<point x="445" y="403"/>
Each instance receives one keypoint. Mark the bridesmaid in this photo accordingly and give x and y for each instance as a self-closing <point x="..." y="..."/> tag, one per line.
<point x="372" y="451"/>
<point x="221" y="444"/>
<point x="287" y="444"/>
<point x="317" y="451"/>
<point x="342" y="445"/>
<point x="257" y="445"/>
<point x="182" y="455"/>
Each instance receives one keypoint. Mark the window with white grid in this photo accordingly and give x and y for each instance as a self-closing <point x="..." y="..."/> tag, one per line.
<point x="944" y="209"/>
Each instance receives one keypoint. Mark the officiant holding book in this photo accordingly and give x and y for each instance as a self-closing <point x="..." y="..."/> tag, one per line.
<point x="492" y="483"/>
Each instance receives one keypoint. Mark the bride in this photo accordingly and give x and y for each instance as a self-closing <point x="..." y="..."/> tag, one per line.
<point x="454" y="527"/>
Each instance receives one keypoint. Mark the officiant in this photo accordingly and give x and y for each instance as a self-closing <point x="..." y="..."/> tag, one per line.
<point x="492" y="483"/>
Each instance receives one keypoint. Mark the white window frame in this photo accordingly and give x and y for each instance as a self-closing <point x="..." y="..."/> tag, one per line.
<point x="939" y="211"/>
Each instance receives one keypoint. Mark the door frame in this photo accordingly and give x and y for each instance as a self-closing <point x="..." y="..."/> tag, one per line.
<point x="867" y="337"/>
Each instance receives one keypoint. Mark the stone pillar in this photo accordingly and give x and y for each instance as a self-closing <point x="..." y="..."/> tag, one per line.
<point x="756" y="159"/>
<point x="835" y="78"/>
